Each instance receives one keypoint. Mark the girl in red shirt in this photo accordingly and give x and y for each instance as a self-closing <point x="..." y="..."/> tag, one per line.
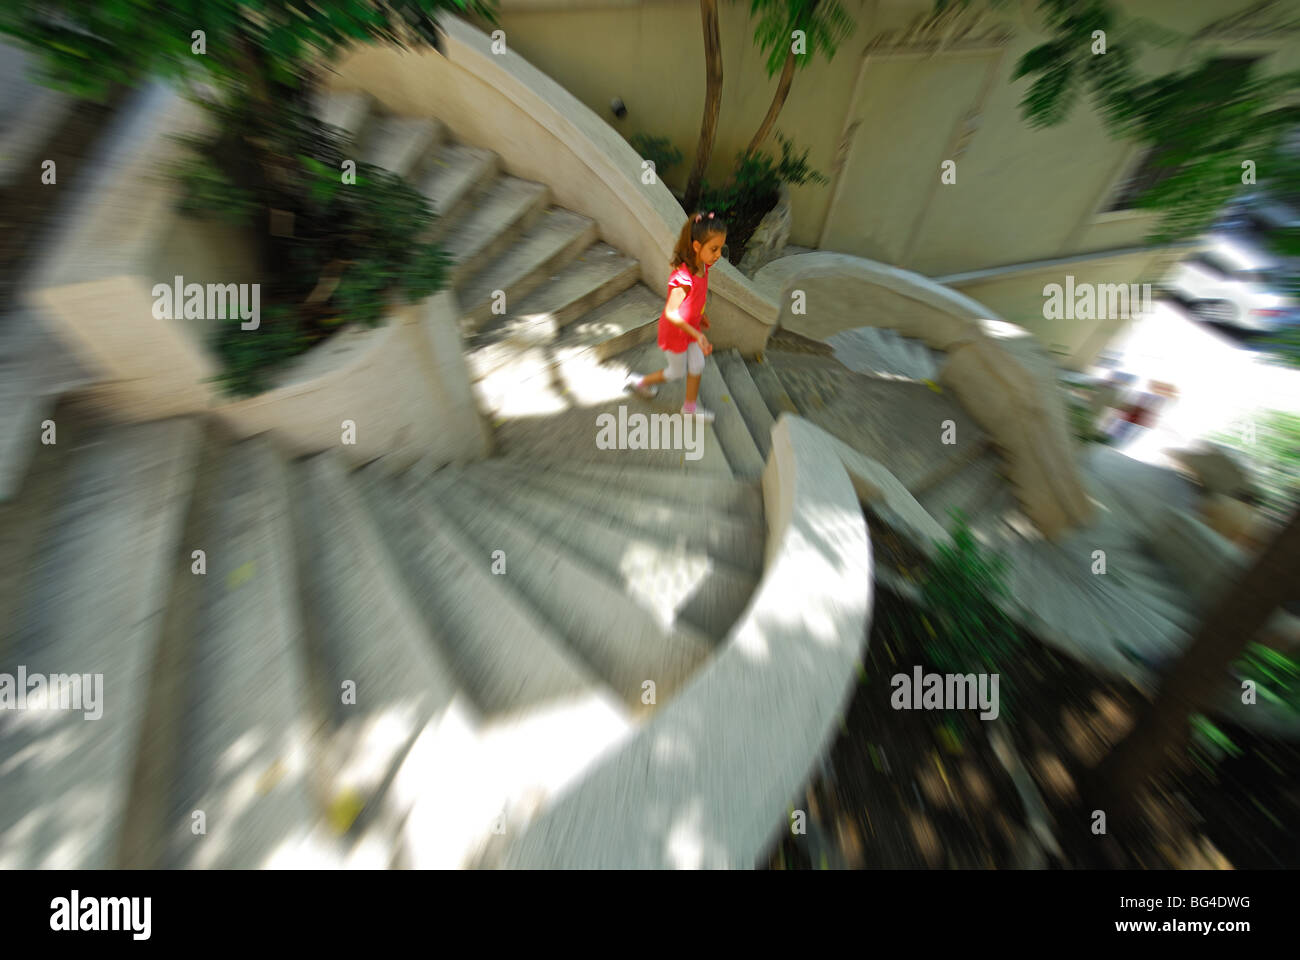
<point x="682" y="322"/>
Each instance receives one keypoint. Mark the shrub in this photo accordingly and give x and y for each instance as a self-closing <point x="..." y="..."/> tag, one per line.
<point x="363" y="238"/>
<point x="754" y="190"/>
<point x="659" y="150"/>
<point x="1276" y="675"/>
<point x="1274" y="458"/>
<point x="271" y="165"/>
<point x="962" y="589"/>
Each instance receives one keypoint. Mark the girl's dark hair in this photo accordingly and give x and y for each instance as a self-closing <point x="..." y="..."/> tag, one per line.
<point x="698" y="226"/>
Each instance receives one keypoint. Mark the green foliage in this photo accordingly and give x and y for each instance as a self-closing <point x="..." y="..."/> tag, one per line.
<point x="1202" y="121"/>
<point x="754" y="190"/>
<point x="1276" y="676"/>
<point x="367" y="235"/>
<point x="268" y="154"/>
<point x="824" y="22"/>
<point x="1285" y="345"/>
<point x="963" y="589"/>
<point x="248" y="359"/>
<point x="1081" y="422"/>
<point x="1209" y="744"/>
<point x="207" y="191"/>
<point x="659" y="150"/>
<point x="87" y="48"/>
<point x="1274" y="457"/>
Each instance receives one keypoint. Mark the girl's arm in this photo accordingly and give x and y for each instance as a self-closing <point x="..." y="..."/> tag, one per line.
<point x="675" y="298"/>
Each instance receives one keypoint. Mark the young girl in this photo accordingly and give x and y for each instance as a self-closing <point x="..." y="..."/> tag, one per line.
<point x="682" y="322"/>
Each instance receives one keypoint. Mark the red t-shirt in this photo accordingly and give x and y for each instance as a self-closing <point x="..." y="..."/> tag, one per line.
<point x="671" y="337"/>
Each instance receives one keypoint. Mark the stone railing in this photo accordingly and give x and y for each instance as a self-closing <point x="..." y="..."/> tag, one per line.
<point x="707" y="782"/>
<point x="994" y="369"/>
<point x="541" y="132"/>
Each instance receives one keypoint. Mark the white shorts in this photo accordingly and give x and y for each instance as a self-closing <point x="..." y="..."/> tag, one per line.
<point x="692" y="359"/>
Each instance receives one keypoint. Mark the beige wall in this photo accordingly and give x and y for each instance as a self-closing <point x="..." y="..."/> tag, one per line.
<point x="1018" y="297"/>
<point x="1020" y="195"/>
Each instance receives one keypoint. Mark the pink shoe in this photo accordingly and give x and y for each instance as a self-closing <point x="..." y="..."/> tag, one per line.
<point x="634" y="384"/>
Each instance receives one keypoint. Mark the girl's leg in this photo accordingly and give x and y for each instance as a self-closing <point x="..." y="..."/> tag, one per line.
<point x="644" y="386"/>
<point x="692" y="387"/>
<point x="695" y="370"/>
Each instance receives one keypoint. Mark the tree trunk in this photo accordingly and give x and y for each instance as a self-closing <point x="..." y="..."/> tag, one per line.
<point x="712" y="100"/>
<point x="1161" y="732"/>
<point x="778" y="101"/>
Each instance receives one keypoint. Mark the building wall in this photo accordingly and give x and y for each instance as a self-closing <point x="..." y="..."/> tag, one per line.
<point x="881" y="116"/>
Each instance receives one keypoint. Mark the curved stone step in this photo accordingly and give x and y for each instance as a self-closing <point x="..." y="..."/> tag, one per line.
<point x="348" y="111"/>
<point x="616" y="327"/>
<point x="749" y="401"/>
<point x="922" y="361"/>
<point x="676" y="798"/>
<point x="35" y="368"/>
<point x="27" y="517"/>
<point x="502" y="651"/>
<point x="733" y="539"/>
<point x="400" y="144"/>
<point x="93" y="605"/>
<point x="553" y="408"/>
<point x="770" y="386"/>
<point x="242" y="683"/>
<point x="619" y="641"/>
<point x="599" y="274"/>
<point x="491" y="223"/>
<point x="629" y="319"/>
<point x="733" y="433"/>
<point x="456" y="172"/>
<point x="365" y="635"/>
<point x="557" y="238"/>
<point x="882" y="352"/>
<point x="738" y="497"/>
<point x="671" y="581"/>
<point x="863" y="351"/>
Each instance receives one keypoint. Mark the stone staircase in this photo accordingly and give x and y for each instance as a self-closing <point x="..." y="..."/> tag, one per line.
<point x="553" y="317"/>
<point x="372" y="668"/>
<point x="36" y="124"/>
<point x="881" y="352"/>
<point x="309" y="665"/>
<point x="856" y="387"/>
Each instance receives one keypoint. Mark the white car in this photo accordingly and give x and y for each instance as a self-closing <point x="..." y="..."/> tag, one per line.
<point x="1233" y="283"/>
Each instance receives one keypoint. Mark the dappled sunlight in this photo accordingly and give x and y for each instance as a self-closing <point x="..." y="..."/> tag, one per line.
<point x="597" y="330"/>
<point x="64" y="832"/>
<point x="548" y="746"/>
<point x="686" y="846"/>
<point x="669" y="751"/>
<point x="532" y="398"/>
<point x="804" y="571"/>
<point x="56" y="737"/>
<point x="240" y="752"/>
<point x="591" y="383"/>
<point x="663" y="579"/>
<point x="530" y="328"/>
<point x="374" y="740"/>
<point x="306" y="848"/>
